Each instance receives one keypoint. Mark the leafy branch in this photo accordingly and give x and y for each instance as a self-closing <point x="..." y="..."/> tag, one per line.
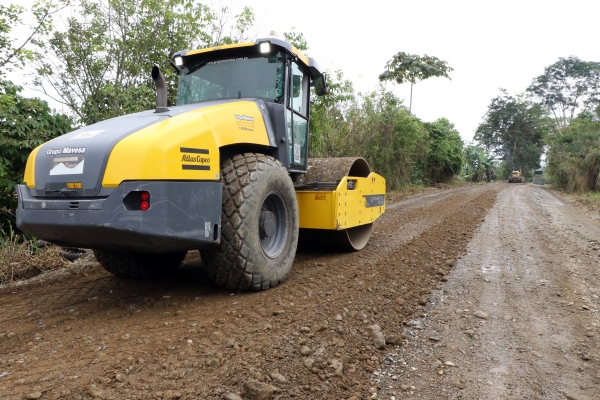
<point x="13" y="55"/>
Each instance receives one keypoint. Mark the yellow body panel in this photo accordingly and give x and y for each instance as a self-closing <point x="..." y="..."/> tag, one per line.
<point x="186" y="146"/>
<point x="236" y="122"/>
<point x="317" y="209"/>
<point x="29" y="177"/>
<point x="342" y="208"/>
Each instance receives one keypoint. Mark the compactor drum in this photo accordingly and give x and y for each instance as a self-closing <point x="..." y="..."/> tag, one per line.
<point x="342" y="199"/>
<point x="225" y="171"/>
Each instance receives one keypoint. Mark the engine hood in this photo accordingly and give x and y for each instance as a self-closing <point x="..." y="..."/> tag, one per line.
<point x="80" y="156"/>
<point x="73" y="165"/>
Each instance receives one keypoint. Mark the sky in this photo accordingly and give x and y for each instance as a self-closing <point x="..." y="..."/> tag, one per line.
<point x="490" y="44"/>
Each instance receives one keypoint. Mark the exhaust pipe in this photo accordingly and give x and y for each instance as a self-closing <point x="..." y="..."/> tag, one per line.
<point x="161" y="90"/>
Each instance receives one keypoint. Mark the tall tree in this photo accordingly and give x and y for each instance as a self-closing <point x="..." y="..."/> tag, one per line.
<point x="514" y="128"/>
<point x="297" y="39"/>
<point x="100" y="66"/>
<point x="413" y="68"/>
<point x="14" y="49"/>
<point x="228" y="28"/>
<point x="568" y="86"/>
<point x="24" y="123"/>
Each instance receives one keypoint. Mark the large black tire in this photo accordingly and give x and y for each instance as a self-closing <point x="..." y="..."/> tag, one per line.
<point x="259" y="225"/>
<point x="138" y="265"/>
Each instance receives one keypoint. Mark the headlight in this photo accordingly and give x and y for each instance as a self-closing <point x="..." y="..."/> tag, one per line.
<point x="265" y="47"/>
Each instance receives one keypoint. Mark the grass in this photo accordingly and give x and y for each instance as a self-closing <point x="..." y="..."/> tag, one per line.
<point x="20" y="259"/>
<point x="591" y="199"/>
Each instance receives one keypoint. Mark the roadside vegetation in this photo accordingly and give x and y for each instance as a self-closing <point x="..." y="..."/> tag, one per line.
<point x="558" y="116"/>
<point x="378" y="127"/>
<point x="591" y="199"/>
<point x="20" y="258"/>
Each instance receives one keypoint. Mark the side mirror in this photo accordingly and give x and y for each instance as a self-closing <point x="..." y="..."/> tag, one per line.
<point x="320" y="84"/>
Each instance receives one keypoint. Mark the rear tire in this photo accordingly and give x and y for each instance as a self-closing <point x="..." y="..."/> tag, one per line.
<point x="259" y="225"/>
<point x="138" y="265"/>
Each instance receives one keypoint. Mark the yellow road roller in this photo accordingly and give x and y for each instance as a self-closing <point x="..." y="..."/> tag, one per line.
<point x="225" y="171"/>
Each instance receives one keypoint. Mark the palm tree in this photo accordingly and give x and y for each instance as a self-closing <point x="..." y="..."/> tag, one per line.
<point x="480" y="166"/>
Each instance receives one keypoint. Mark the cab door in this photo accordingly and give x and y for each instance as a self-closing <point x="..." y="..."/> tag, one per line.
<point x="297" y="118"/>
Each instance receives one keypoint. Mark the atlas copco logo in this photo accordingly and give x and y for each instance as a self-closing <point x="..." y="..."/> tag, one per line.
<point x="196" y="159"/>
<point x="66" y="150"/>
<point x="243" y="117"/>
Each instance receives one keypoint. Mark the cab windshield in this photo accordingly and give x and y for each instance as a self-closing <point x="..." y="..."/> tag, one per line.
<point x="232" y="78"/>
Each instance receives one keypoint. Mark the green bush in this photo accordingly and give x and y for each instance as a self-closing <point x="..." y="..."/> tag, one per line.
<point x="24" y="124"/>
<point x="573" y="155"/>
<point x="445" y="154"/>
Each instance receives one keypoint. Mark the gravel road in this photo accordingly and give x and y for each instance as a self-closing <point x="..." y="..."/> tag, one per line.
<point x="519" y="316"/>
<point x="478" y="292"/>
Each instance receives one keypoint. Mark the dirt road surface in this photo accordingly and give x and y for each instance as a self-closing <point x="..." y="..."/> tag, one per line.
<point x="479" y="292"/>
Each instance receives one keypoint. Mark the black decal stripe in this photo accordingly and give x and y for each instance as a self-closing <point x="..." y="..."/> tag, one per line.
<point x="193" y="150"/>
<point x="196" y="167"/>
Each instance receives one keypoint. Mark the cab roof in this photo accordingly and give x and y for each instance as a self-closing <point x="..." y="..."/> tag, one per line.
<point x="309" y="62"/>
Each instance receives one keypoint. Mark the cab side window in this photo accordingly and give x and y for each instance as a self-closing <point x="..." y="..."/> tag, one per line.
<point x="297" y="118"/>
<point x="299" y="96"/>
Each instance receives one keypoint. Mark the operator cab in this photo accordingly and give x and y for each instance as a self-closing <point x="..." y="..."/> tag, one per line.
<point x="270" y="71"/>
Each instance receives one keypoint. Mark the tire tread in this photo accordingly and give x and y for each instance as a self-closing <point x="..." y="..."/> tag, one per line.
<point x="229" y="264"/>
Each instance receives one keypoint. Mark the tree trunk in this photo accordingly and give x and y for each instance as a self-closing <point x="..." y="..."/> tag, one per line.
<point x="410" y="106"/>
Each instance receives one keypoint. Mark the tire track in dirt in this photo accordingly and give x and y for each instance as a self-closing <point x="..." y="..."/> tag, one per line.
<point x="181" y="338"/>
